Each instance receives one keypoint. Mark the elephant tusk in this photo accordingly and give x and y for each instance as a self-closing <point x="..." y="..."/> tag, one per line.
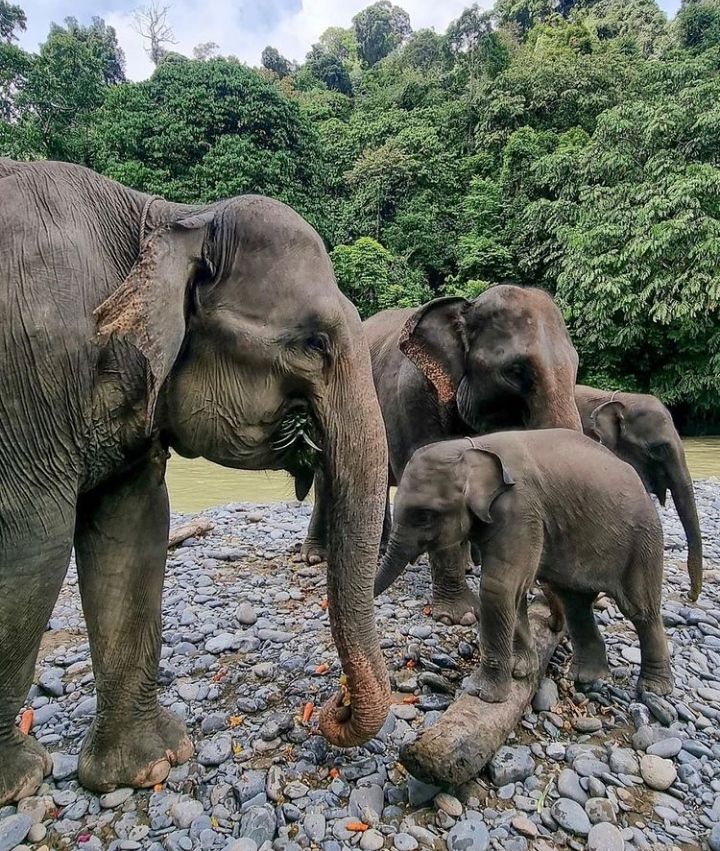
<point x="285" y="442"/>
<point x="310" y="442"/>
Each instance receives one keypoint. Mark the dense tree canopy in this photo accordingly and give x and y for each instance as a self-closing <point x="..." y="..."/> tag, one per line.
<point x="569" y="144"/>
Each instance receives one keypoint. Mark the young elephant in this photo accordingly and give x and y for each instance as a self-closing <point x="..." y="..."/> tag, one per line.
<point x="550" y="505"/>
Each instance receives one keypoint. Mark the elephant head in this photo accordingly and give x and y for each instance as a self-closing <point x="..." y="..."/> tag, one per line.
<point x="640" y="430"/>
<point x="446" y="488"/>
<point x="255" y="360"/>
<point x="505" y="358"/>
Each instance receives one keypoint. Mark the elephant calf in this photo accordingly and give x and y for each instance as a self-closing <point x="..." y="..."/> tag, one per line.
<point x="551" y="505"/>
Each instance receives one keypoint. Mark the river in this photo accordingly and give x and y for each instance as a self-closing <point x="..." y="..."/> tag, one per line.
<point x="197" y="484"/>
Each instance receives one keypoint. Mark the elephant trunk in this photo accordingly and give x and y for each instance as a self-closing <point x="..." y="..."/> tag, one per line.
<point x="553" y="406"/>
<point x="396" y="559"/>
<point x="683" y="494"/>
<point x="356" y="483"/>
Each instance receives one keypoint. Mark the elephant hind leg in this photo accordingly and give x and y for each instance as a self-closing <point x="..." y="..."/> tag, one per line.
<point x="589" y="656"/>
<point x="32" y="570"/>
<point x="121" y="546"/>
<point x="525" y="657"/>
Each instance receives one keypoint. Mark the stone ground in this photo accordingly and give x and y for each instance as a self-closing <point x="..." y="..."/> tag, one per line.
<point x="244" y="636"/>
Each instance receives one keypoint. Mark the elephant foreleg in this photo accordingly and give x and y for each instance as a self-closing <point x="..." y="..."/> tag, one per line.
<point x="314" y="548"/>
<point x="121" y="548"/>
<point x="453" y="601"/>
<point x="32" y="569"/>
<point x="589" y="656"/>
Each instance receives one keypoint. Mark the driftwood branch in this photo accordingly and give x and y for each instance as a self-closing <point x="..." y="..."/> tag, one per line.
<point x="200" y="526"/>
<point x="458" y="747"/>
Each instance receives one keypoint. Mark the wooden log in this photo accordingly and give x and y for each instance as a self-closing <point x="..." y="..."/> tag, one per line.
<point x="199" y="526"/>
<point x="459" y="746"/>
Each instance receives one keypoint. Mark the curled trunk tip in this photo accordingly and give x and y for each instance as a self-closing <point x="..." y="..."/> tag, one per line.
<point x="359" y="710"/>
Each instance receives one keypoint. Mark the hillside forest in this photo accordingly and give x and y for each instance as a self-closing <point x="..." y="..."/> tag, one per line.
<point x="569" y="145"/>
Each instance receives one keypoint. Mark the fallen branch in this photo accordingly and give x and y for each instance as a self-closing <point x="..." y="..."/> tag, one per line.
<point x="458" y="747"/>
<point x="201" y="526"/>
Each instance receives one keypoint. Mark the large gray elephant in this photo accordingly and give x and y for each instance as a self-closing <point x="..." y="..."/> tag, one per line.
<point x="129" y="325"/>
<point x="639" y="429"/>
<point x="460" y="367"/>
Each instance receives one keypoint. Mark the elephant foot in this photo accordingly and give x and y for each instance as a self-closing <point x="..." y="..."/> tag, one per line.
<point x="460" y="607"/>
<point x="490" y="689"/>
<point x="661" y="685"/>
<point x="589" y="670"/>
<point x="313" y="551"/>
<point x="138" y="756"/>
<point x="23" y="765"/>
<point x="525" y="663"/>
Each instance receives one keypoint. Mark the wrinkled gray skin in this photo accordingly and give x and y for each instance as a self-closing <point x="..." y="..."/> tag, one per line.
<point x="551" y="505"/>
<point x="454" y="367"/>
<point x="223" y="336"/>
<point x="639" y="429"/>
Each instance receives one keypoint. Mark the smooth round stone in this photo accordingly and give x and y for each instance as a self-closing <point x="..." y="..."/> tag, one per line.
<point x="511" y="764"/>
<point x="13" y="830"/>
<point x="546" y="696"/>
<point x="657" y="772"/>
<point x="405" y="842"/>
<point x="571" y="816"/>
<point x="372" y="840"/>
<point x="523" y="825"/>
<point x="714" y="838"/>
<point x="666" y="748"/>
<point x="449" y="804"/>
<point x="110" y="800"/>
<point x="587" y="725"/>
<point x="468" y="835"/>
<point x="631" y="654"/>
<point x="605" y="837"/>
<point x="568" y="785"/>
<point x="600" y="809"/>
<point x="624" y="761"/>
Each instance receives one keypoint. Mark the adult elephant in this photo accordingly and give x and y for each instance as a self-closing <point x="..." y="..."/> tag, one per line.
<point x="639" y="429"/>
<point x="457" y="367"/>
<point x="128" y="325"/>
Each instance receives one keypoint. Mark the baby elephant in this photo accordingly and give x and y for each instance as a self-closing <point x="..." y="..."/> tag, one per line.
<point x="551" y="505"/>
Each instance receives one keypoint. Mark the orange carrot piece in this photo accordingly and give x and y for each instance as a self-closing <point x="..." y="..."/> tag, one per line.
<point x="322" y="668"/>
<point x="323" y="604"/>
<point x="411" y="664"/>
<point x="357" y="826"/>
<point x="334" y="773"/>
<point x="411" y="698"/>
<point x="308" y="711"/>
<point x="26" y="720"/>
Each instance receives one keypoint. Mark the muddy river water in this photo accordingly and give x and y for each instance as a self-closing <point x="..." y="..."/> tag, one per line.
<point x="197" y="484"/>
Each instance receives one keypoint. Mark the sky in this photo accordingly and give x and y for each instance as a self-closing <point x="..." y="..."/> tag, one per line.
<point x="240" y="27"/>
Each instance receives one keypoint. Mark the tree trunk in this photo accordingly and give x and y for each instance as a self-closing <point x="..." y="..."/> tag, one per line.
<point x="459" y="746"/>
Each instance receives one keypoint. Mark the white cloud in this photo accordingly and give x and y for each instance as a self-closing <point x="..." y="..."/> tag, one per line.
<point x="196" y="21"/>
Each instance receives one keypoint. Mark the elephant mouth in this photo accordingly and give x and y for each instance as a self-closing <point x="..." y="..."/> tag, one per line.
<point x="295" y="444"/>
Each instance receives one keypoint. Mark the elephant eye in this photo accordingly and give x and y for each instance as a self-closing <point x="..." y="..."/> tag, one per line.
<point x="318" y="343"/>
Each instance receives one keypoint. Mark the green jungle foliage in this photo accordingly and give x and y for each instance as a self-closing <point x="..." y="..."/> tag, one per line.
<point x="568" y="144"/>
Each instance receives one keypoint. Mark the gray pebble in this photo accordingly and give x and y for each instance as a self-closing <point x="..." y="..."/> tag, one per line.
<point x="468" y="835"/>
<point x="571" y="816"/>
<point x="110" y="800"/>
<point x="13" y="831"/>
<point x="511" y="764"/>
<point x="605" y="837"/>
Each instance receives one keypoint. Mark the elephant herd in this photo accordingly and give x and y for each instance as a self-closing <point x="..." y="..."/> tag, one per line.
<point x="131" y="325"/>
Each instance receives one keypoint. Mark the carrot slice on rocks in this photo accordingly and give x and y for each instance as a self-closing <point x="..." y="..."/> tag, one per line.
<point x="357" y="826"/>
<point x="26" y="720"/>
<point x="308" y="711"/>
<point x="322" y="668"/>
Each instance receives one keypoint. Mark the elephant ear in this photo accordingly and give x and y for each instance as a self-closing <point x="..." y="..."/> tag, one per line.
<point x="607" y="422"/>
<point x="149" y="307"/>
<point x="433" y="338"/>
<point x="485" y="483"/>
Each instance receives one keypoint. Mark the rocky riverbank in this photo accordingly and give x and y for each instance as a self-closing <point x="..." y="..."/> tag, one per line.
<point x="247" y="646"/>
